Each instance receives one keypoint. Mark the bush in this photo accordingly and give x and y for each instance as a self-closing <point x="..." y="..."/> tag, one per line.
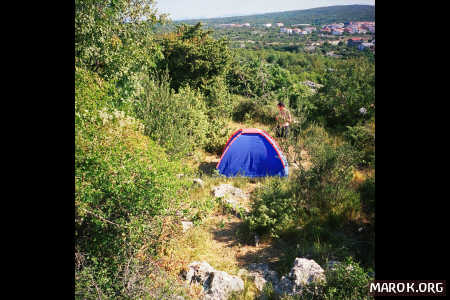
<point x="347" y="89"/>
<point x="362" y="137"/>
<point x="346" y="281"/>
<point x="177" y="121"/>
<point x="220" y="104"/>
<point x="126" y="195"/>
<point x="193" y="57"/>
<point x="272" y="209"/>
<point x="217" y="135"/>
<point x="318" y="208"/>
<point x="252" y="77"/>
<point x="113" y="48"/>
<point x="367" y="195"/>
<point x="252" y="110"/>
<point x="219" y="101"/>
<point x="312" y="194"/>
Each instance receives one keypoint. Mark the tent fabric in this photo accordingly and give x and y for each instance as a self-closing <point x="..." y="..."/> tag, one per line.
<point x="252" y="153"/>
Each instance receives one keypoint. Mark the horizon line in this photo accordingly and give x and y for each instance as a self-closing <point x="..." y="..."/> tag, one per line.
<point x="270" y="12"/>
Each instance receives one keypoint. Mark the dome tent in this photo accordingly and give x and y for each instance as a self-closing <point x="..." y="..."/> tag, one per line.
<point x="252" y="152"/>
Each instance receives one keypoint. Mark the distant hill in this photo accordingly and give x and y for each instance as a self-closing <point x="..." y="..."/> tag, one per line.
<point x="314" y="16"/>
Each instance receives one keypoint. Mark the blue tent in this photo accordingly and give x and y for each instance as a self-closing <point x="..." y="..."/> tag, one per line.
<point x="252" y="153"/>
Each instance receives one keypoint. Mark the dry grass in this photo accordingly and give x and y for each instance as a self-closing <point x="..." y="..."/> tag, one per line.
<point x="249" y="124"/>
<point x="199" y="244"/>
<point x="359" y="176"/>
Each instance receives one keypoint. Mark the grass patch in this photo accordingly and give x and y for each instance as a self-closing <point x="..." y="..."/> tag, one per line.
<point x="198" y="244"/>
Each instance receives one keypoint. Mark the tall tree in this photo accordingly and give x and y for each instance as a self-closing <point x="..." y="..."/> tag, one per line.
<point x="114" y="38"/>
<point x="193" y="57"/>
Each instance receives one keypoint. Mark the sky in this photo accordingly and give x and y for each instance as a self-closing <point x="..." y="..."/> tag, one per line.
<point x="199" y="9"/>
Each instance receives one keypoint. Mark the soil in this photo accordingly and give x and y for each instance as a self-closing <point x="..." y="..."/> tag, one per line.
<point x="227" y="229"/>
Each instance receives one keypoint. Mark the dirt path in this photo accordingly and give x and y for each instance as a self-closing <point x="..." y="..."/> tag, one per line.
<point x="222" y="239"/>
<point x="246" y="251"/>
<point x="227" y="231"/>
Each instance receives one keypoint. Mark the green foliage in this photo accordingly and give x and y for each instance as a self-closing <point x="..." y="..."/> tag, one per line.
<point x="252" y="77"/>
<point x="175" y="120"/>
<point x="253" y="110"/>
<point x="248" y="78"/>
<point x="220" y="104"/>
<point x="126" y="193"/>
<point x="346" y="281"/>
<point x="193" y="58"/>
<point x="272" y="209"/>
<point x="322" y="190"/>
<point x="347" y="89"/>
<point x="115" y="40"/>
<point x="367" y="192"/>
<point x="217" y="135"/>
<point x="297" y="96"/>
<point x="362" y="138"/>
<point x="219" y="101"/>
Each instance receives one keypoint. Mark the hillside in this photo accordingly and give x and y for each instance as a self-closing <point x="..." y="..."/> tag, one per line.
<point x="156" y="219"/>
<point x="314" y="16"/>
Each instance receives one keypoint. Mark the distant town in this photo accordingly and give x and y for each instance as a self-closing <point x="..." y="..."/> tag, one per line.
<point x="335" y="29"/>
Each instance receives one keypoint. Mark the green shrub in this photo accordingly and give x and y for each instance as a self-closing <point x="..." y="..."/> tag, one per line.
<point x="367" y="195"/>
<point x="219" y="101"/>
<point x="252" y="110"/>
<point x="347" y="89"/>
<point x="272" y="209"/>
<point x="126" y="193"/>
<point x="220" y="104"/>
<point x="217" y="135"/>
<point x="253" y="77"/>
<point x="114" y="49"/>
<point x="193" y="57"/>
<point x="362" y="137"/>
<point x="346" y="281"/>
<point x="317" y="208"/>
<point x="312" y="194"/>
<point x="177" y="121"/>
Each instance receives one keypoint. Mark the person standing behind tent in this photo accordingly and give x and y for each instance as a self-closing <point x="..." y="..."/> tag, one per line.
<point x="284" y="119"/>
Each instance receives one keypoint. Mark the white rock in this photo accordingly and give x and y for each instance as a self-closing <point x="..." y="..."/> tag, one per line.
<point x="222" y="285"/>
<point x="304" y="272"/>
<point x="261" y="275"/>
<point x="224" y="189"/>
<point x="200" y="182"/>
<point x="217" y="285"/>
<point x="186" y="225"/>
<point x="232" y="202"/>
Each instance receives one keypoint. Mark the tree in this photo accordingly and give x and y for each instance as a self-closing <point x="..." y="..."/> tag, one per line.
<point x="114" y="38"/>
<point x="193" y="57"/>
<point x="350" y="87"/>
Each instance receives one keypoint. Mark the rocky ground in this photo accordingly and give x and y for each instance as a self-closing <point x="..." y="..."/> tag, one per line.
<point x="253" y="259"/>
